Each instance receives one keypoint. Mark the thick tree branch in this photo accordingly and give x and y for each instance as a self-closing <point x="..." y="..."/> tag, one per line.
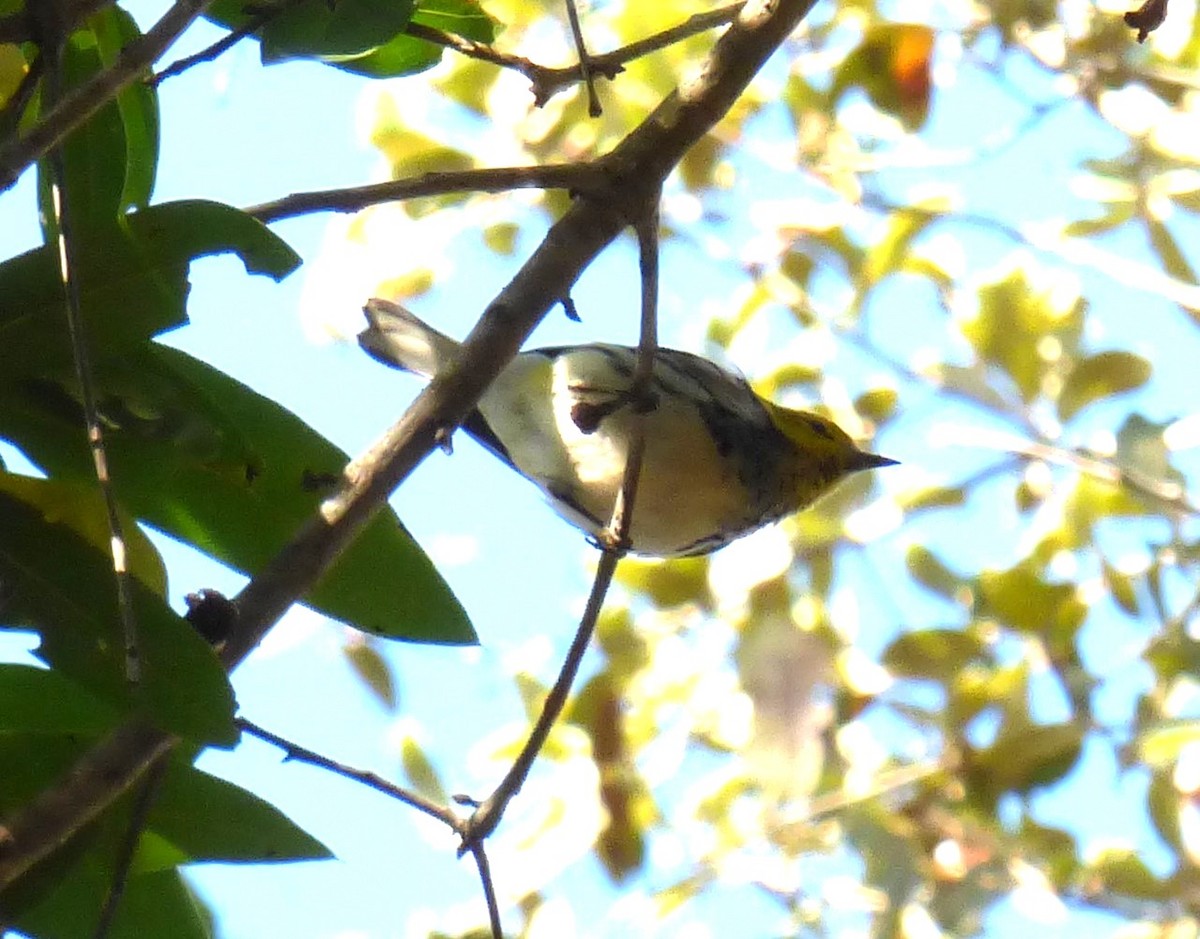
<point x="636" y="168"/>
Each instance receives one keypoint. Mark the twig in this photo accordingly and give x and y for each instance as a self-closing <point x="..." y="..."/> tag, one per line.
<point x="302" y="754"/>
<point x="614" y="544"/>
<point x="489" y="889"/>
<point x="52" y="41"/>
<point x="1170" y="496"/>
<point x="577" y="177"/>
<point x="639" y="164"/>
<point x="147" y="793"/>
<point x="218" y="48"/>
<point x="82" y="102"/>
<point x="1047" y="238"/>
<point x="548" y="81"/>
<point x="585" y="67"/>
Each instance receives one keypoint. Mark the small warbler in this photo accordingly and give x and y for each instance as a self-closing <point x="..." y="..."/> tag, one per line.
<point x="719" y="461"/>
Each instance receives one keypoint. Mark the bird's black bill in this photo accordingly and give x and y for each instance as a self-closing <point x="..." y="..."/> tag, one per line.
<point x="866" y="461"/>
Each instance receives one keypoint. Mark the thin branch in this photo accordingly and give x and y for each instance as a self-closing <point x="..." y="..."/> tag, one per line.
<point x="302" y="754"/>
<point x="220" y="47"/>
<point x="577" y="177"/>
<point x="638" y="166"/>
<point x="82" y="102"/>
<point x="614" y="543"/>
<point x="147" y="793"/>
<point x="585" y="67"/>
<point x="489" y="889"/>
<point x="1048" y="238"/>
<point x="52" y="43"/>
<point x="1170" y="496"/>
<point x="548" y="81"/>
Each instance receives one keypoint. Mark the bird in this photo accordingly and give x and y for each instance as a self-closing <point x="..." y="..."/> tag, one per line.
<point x="719" y="461"/>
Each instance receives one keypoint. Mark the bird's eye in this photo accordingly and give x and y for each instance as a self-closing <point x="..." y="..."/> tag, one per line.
<point x="819" y="428"/>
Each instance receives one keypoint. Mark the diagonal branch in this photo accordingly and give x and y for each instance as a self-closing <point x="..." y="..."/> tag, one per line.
<point x="77" y="105"/>
<point x="636" y="168"/>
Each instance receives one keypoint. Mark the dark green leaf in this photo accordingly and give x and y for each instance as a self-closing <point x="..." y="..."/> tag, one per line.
<point x="464" y="18"/>
<point x="94" y="156"/>
<point x="137" y="105"/>
<point x="210" y="819"/>
<point x="60" y="585"/>
<point x="347" y="28"/>
<point x="1101" y="376"/>
<point x="133" y="281"/>
<point x="35" y="700"/>
<point x="153" y="904"/>
<point x="211" y="462"/>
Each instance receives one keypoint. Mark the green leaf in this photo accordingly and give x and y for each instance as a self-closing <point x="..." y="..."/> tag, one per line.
<point x="1101" y="376"/>
<point x="210" y="819"/>
<point x="464" y="18"/>
<point x="933" y="497"/>
<point x="1121" y="871"/>
<point x="1160" y="746"/>
<point x="39" y="701"/>
<point x="878" y="404"/>
<point x="667" y="583"/>
<point x="374" y="670"/>
<point x="1028" y="757"/>
<point x="419" y="770"/>
<point x="887" y="842"/>
<point x="1174" y="261"/>
<point x="81" y="507"/>
<point x="137" y="105"/>
<point x="937" y="654"/>
<point x="94" y="155"/>
<point x="1141" y="447"/>
<point x="927" y="569"/>
<point x="1054" y="848"/>
<point x="62" y="586"/>
<point x="207" y="460"/>
<point x="347" y="28"/>
<point x="1015" y="315"/>
<point x="888" y="254"/>
<point x="153" y="904"/>
<point x="133" y="282"/>
<point x="1021" y="599"/>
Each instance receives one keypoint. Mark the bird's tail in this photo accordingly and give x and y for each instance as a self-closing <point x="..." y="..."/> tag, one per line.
<point x="396" y="337"/>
